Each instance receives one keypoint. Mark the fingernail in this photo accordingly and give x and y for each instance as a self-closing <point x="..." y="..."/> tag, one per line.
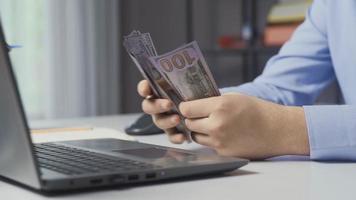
<point x="174" y="119"/>
<point x="149" y="97"/>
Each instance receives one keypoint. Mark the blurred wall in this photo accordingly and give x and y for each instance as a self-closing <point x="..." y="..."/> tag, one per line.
<point x="168" y="25"/>
<point x="166" y="21"/>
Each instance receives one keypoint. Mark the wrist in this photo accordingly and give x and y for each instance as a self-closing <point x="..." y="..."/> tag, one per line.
<point x="293" y="131"/>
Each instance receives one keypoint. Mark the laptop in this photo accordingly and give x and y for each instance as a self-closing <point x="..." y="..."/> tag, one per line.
<point x="84" y="164"/>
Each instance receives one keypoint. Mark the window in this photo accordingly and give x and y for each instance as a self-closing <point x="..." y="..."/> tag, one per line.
<point x="23" y="24"/>
<point x="68" y="64"/>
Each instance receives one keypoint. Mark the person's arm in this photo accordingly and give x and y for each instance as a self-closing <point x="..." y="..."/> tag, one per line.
<point x="302" y="68"/>
<point x="297" y="75"/>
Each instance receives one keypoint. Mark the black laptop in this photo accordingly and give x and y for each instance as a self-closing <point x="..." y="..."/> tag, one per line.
<point x="64" y="166"/>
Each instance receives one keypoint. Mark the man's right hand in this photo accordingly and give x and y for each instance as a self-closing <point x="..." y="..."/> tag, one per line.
<point x="158" y="108"/>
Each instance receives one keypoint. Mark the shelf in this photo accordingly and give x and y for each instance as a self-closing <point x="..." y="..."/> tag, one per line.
<point x="233" y="52"/>
<point x="223" y="52"/>
<point x="263" y="49"/>
<point x="253" y="51"/>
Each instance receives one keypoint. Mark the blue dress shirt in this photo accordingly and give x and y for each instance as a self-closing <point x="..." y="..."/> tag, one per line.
<point x="321" y="50"/>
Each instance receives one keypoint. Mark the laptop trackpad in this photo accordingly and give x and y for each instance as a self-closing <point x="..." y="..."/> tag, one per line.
<point x="135" y="149"/>
<point x="152" y="153"/>
<point x="106" y="144"/>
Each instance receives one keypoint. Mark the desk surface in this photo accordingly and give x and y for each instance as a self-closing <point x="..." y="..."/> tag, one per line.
<point x="277" y="179"/>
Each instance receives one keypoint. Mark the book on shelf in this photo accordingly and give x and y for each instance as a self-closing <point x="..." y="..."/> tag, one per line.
<point x="231" y="42"/>
<point x="277" y="35"/>
<point x="283" y="19"/>
<point x="286" y="11"/>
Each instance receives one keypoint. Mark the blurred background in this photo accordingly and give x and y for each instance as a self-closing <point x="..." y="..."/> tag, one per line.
<point x="71" y="62"/>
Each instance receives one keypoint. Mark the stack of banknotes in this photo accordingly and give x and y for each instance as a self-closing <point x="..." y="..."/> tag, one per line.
<point x="179" y="75"/>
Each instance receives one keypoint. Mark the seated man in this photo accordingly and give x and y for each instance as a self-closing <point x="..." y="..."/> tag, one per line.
<point x="273" y="115"/>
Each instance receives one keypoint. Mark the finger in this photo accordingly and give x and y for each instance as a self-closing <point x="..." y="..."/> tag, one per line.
<point x="144" y="89"/>
<point x="202" y="139"/>
<point x="165" y="121"/>
<point x="175" y="137"/>
<point x="199" y="125"/>
<point x="198" y="108"/>
<point x="176" y="155"/>
<point x="156" y="106"/>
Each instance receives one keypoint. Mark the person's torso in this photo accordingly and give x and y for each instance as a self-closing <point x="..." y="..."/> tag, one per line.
<point x="341" y="34"/>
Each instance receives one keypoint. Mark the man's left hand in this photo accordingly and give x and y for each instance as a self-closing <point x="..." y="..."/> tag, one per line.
<point x="244" y="126"/>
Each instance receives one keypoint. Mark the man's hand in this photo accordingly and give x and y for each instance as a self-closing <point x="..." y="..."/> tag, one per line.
<point x="234" y="124"/>
<point x="158" y="109"/>
<point x="244" y="126"/>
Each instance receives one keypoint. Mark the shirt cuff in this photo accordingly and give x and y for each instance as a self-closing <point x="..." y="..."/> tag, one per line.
<point x="331" y="132"/>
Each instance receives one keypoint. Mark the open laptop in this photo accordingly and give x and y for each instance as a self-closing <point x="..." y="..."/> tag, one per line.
<point x="71" y="165"/>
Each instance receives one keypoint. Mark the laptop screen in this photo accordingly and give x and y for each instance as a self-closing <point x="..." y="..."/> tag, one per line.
<point x="16" y="154"/>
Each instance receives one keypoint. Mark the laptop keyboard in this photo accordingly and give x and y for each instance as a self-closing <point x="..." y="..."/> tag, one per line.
<point x="70" y="160"/>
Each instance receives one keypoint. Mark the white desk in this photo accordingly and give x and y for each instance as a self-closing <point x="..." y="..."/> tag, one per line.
<point x="275" y="180"/>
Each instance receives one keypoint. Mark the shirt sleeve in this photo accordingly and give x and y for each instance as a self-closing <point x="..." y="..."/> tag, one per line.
<point x="297" y="75"/>
<point x="332" y="132"/>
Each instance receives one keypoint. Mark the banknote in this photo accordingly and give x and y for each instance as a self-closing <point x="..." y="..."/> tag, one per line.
<point x="139" y="51"/>
<point x="140" y="48"/>
<point x="186" y="70"/>
<point x="179" y="75"/>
